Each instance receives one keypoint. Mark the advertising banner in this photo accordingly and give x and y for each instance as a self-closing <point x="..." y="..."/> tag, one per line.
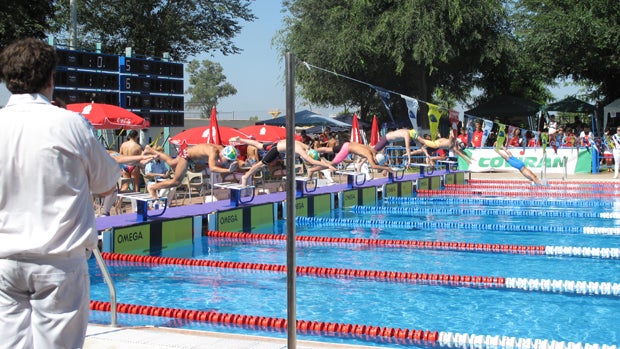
<point x="487" y="160"/>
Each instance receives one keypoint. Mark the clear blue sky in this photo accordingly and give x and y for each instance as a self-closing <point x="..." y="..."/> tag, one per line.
<point x="258" y="71"/>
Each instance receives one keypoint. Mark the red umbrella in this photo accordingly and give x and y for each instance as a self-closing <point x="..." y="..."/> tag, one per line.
<point x="108" y="116"/>
<point x="374" y="131"/>
<point x="356" y="136"/>
<point x="214" y="136"/>
<point x="201" y="134"/>
<point x="265" y="133"/>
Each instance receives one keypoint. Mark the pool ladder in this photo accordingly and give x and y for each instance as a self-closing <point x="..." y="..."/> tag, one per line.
<point x="110" y="283"/>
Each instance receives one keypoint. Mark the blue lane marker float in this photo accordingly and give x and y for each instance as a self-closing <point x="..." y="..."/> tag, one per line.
<point x="481" y="212"/>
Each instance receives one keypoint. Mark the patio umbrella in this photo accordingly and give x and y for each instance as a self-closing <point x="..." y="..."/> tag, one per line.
<point x="265" y="133"/>
<point x="356" y="136"/>
<point x="198" y="135"/>
<point x="374" y="131"/>
<point x="108" y="116"/>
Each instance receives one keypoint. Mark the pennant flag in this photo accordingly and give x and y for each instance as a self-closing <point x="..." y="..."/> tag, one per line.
<point x="486" y="128"/>
<point x="412" y="107"/>
<point x="454" y="120"/>
<point x="385" y="98"/>
<point x="471" y="127"/>
<point x="544" y="140"/>
<point x="501" y="136"/>
<point x="374" y="131"/>
<point x="433" y="119"/>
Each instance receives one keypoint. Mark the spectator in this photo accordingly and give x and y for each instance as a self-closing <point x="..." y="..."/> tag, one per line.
<point x="53" y="162"/>
<point x="131" y="147"/>
<point x="515" y="140"/>
<point x="476" y="140"/>
<point x="616" y="141"/>
<point x="157" y="171"/>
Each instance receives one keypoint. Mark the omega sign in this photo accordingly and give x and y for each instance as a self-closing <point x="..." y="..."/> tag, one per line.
<point x="129" y="237"/>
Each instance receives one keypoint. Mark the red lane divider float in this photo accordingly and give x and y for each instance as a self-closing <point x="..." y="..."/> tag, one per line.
<point x="555" y="182"/>
<point x="554" y="187"/>
<point x="271" y="322"/>
<point x="524" y="193"/>
<point x="419" y="244"/>
<point x="427" y="278"/>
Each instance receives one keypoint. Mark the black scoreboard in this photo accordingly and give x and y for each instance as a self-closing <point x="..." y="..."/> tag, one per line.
<point x="150" y="88"/>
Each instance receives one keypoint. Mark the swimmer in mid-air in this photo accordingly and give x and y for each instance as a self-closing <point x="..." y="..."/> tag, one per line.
<point x="519" y="165"/>
<point x="449" y="143"/>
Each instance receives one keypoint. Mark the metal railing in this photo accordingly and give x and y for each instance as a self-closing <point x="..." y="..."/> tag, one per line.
<point x="108" y="280"/>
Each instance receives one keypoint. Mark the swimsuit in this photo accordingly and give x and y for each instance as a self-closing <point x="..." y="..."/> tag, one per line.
<point x="341" y="153"/>
<point x="272" y="153"/>
<point x="381" y="144"/>
<point x="128" y="168"/>
<point x="516" y="163"/>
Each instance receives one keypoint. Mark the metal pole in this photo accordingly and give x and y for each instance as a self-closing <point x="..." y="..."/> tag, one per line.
<point x="291" y="265"/>
<point x="73" y="25"/>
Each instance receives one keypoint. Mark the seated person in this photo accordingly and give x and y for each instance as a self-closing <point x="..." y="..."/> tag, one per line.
<point x="157" y="171"/>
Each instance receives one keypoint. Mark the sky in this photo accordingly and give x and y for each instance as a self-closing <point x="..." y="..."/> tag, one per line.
<point x="258" y="71"/>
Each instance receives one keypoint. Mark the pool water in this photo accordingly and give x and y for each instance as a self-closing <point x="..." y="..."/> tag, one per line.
<point x="405" y="303"/>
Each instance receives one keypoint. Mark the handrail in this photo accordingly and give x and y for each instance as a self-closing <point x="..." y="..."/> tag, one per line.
<point x="108" y="280"/>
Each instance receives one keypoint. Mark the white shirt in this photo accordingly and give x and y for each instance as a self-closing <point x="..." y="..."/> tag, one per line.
<point x="51" y="164"/>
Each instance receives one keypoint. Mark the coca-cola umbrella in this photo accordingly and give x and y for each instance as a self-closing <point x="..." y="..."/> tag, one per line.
<point x="265" y="133"/>
<point x="109" y="116"/>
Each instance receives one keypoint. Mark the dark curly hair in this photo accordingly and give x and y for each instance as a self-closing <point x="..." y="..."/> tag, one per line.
<point x="27" y="65"/>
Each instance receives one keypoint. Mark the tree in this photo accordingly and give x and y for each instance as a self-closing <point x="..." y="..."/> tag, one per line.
<point x="207" y="85"/>
<point x="22" y="19"/>
<point x="411" y="47"/>
<point x="183" y="28"/>
<point x="578" y="40"/>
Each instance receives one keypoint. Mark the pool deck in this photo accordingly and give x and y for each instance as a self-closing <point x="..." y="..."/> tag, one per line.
<point x="101" y="336"/>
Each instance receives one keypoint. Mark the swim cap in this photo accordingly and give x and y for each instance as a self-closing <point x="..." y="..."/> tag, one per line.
<point x="380" y="158"/>
<point x="413" y="134"/>
<point x="313" y="154"/>
<point x="230" y="152"/>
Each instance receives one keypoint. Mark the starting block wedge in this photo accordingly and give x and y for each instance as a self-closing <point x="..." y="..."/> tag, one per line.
<point x="398" y="175"/>
<point x="425" y="169"/>
<point x="301" y="185"/>
<point x="449" y="164"/>
<point x="236" y="191"/>
<point x="353" y="178"/>
<point x="142" y="202"/>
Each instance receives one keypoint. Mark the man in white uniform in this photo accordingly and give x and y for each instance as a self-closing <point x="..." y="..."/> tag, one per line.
<point x="52" y="163"/>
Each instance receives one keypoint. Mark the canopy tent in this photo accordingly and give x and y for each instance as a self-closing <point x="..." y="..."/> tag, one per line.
<point x="348" y="118"/>
<point x="571" y="105"/>
<point x="306" y="118"/>
<point x="507" y="109"/>
<point x="611" y="111"/>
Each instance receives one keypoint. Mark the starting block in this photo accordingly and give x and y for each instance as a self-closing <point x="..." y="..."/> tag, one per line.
<point x="353" y="178"/>
<point x="143" y="200"/>
<point x="236" y="190"/>
<point x="425" y="169"/>
<point x="449" y="165"/>
<point x="400" y="173"/>
<point x="301" y="185"/>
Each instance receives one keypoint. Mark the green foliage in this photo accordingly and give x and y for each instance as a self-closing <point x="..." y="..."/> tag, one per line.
<point x="579" y="40"/>
<point x="412" y="47"/>
<point x="183" y="28"/>
<point x="207" y="85"/>
<point x="23" y="19"/>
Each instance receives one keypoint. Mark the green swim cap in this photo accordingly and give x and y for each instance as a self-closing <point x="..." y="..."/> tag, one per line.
<point x="413" y="133"/>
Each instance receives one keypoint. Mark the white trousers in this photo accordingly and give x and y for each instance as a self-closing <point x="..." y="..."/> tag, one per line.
<point x="616" y="161"/>
<point x="44" y="301"/>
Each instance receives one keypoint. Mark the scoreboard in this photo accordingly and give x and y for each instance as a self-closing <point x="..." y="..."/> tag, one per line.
<point x="150" y="88"/>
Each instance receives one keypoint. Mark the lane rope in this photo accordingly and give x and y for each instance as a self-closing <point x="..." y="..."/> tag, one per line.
<point x="375" y="223"/>
<point x="490" y="201"/>
<point x="459" y="246"/>
<point x="434" y="279"/>
<point x="451" y="211"/>
<point x="522" y="193"/>
<point x="399" y="335"/>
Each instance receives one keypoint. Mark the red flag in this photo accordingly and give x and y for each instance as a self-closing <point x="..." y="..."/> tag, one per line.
<point x="374" y="131"/>
<point x="214" y="130"/>
<point x="356" y="136"/>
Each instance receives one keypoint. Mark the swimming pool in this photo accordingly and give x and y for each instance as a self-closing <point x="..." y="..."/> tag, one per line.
<point x="451" y="270"/>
